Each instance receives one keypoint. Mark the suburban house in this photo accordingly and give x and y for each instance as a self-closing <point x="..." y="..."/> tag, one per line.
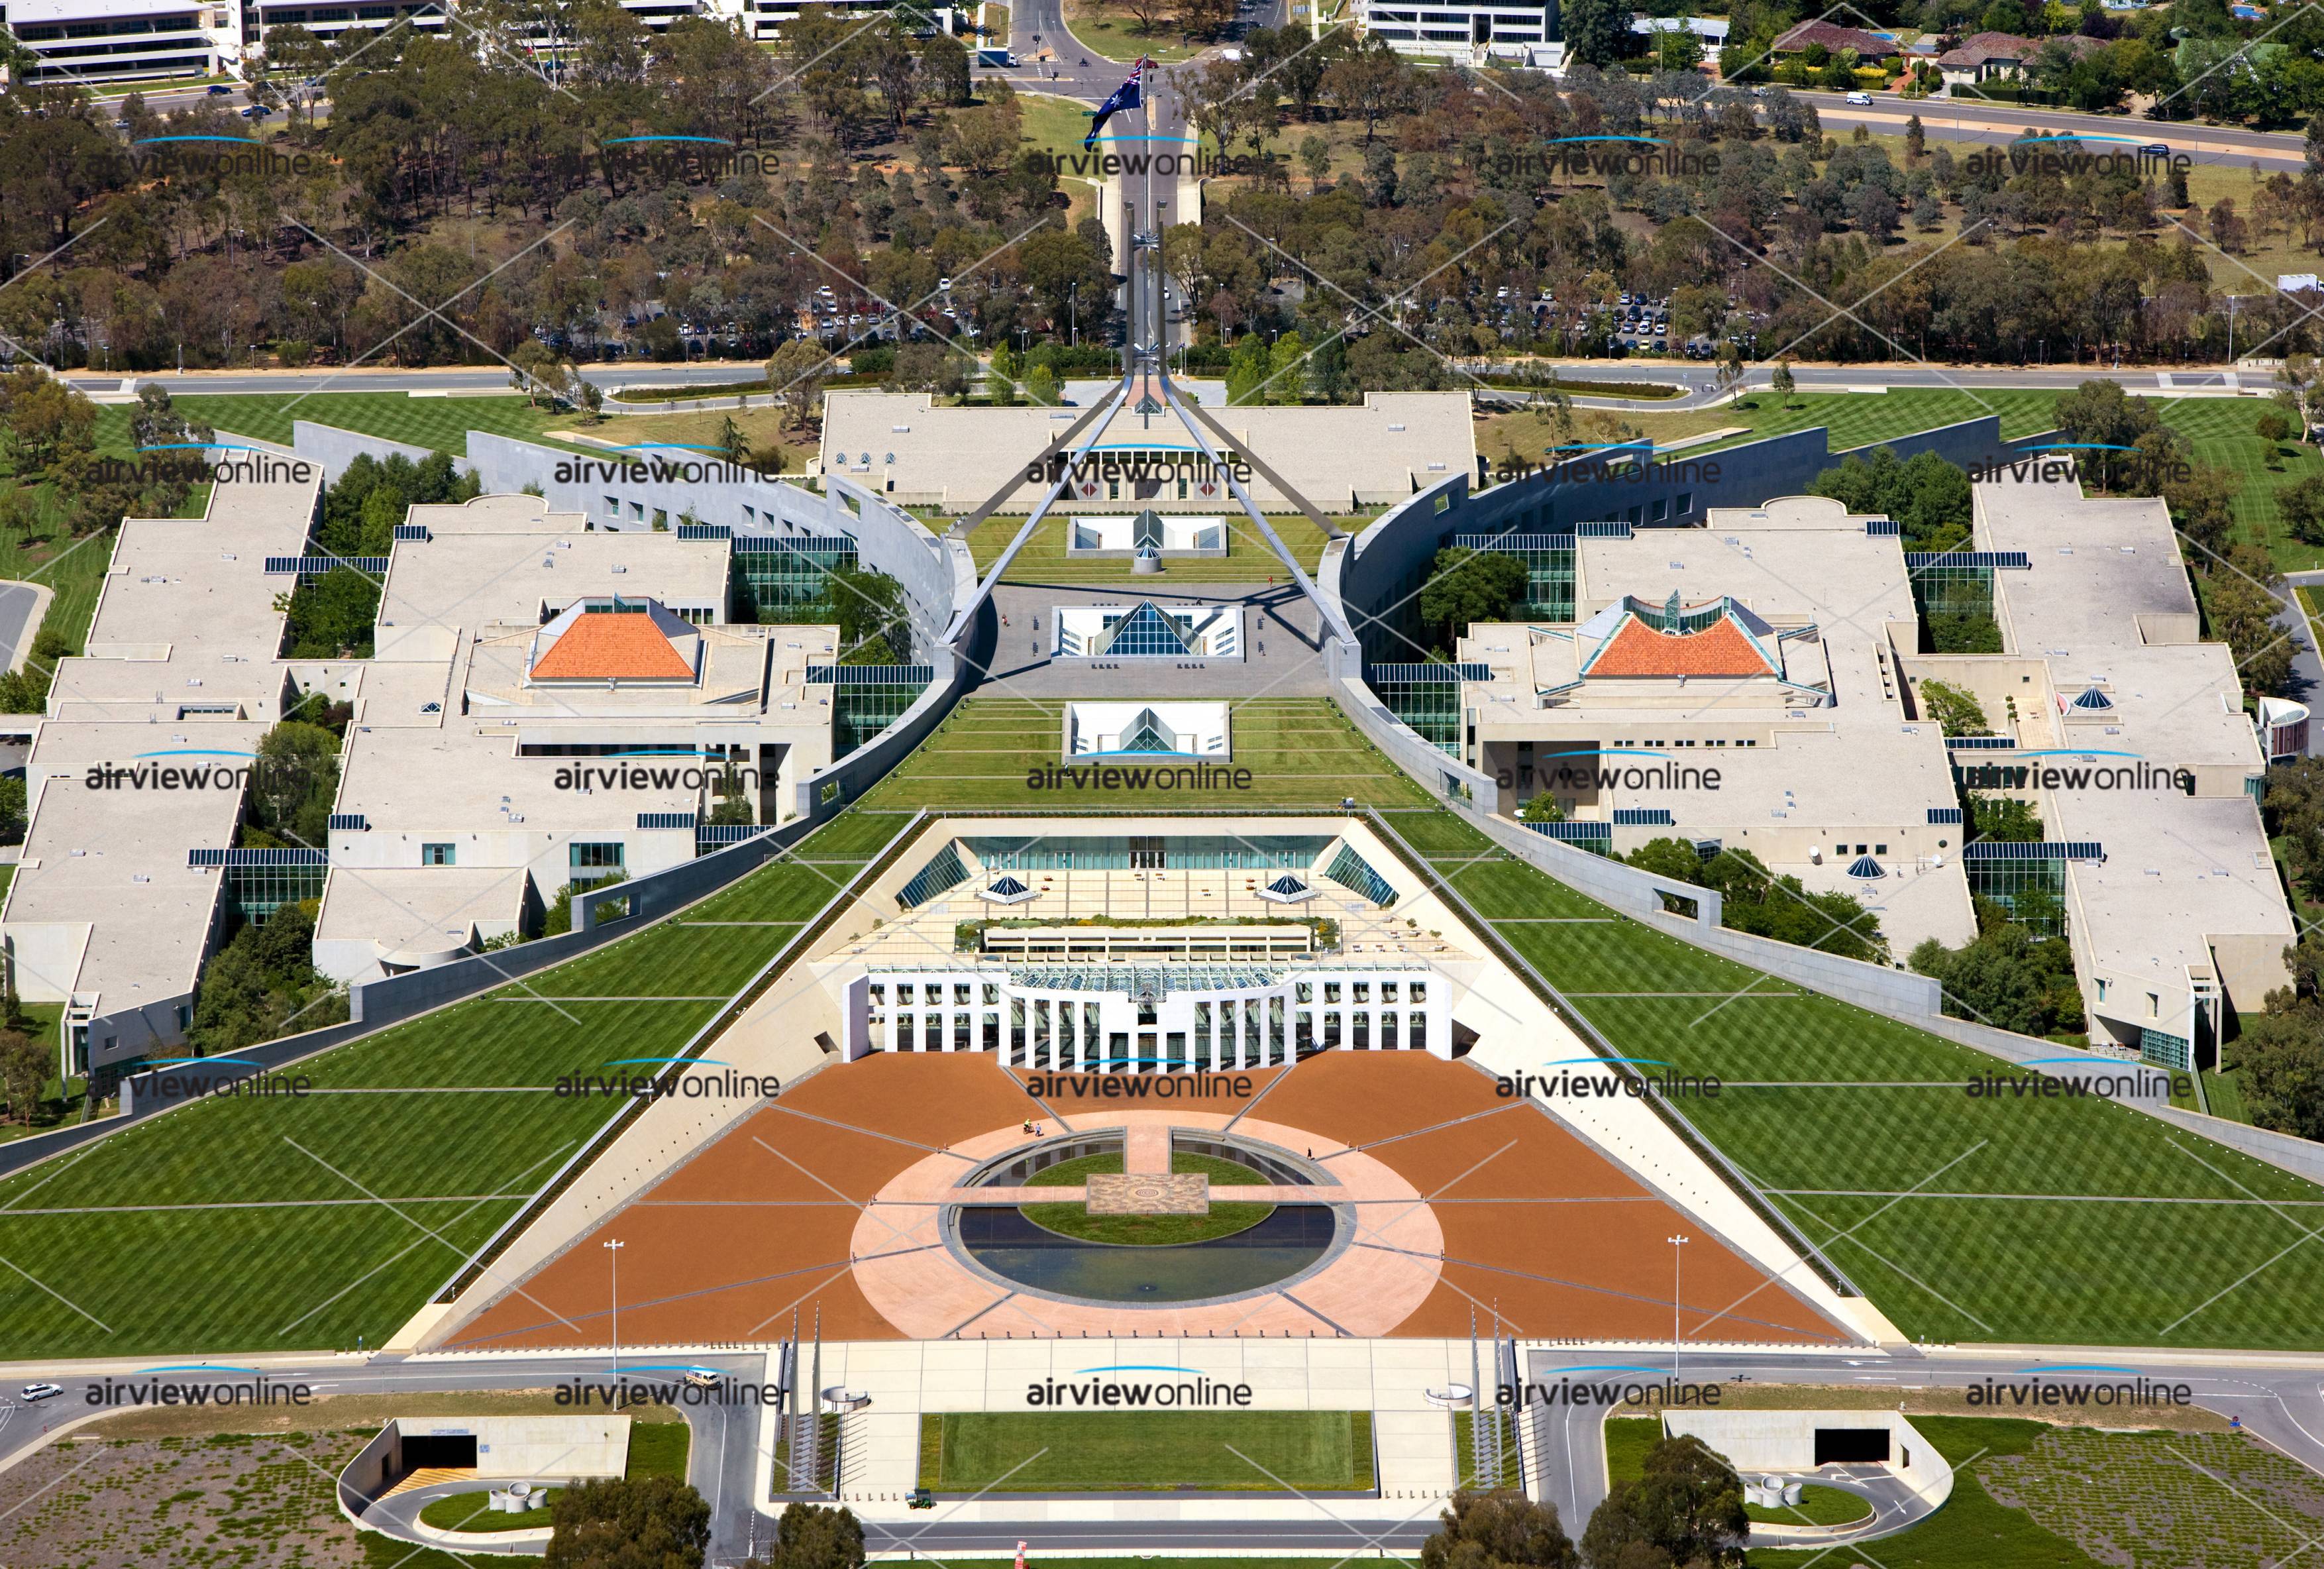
<point x="1987" y="57"/>
<point x="1870" y="47"/>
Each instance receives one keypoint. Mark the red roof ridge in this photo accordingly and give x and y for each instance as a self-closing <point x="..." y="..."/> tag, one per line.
<point x="612" y="645"/>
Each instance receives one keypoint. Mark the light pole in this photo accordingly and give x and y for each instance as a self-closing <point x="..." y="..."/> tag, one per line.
<point x="1073" y="296"/>
<point x="614" y="1252"/>
<point x="1676" y="1243"/>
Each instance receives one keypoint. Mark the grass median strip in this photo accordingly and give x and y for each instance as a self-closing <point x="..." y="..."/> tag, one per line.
<point x="1145" y="1451"/>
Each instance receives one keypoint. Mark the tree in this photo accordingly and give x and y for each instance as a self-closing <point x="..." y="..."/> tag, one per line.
<point x="654" y="1522"/>
<point x="1781" y="383"/>
<point x="1466" y="586"/>
<point x="1372" y="82"/>
<point x="1246" y="368"/>
<point x="2301" y="505"/>
<point x="2292" y="805"/>
<point x="1730" y="374"/>
<point x="796" y="377"/>
<point x="1956" y="712"/>
<point x="1687" y="1509"/>
<point x="2006" y="819"/>
<point x="557" y="919"/>
<point x="1315" y="159"/>
<point x="943" y="71"/>
<point x="2009" y="976"/>
<point x="292" y="784"/>
<point x="2101" y="414"/>
<point x="2272" y="426"/>
<point x="24" y="1065"/>
<point x="875" y="624"/>
<point x="1596" y="32"/>
<point x="2280" y="1066"/>
<point x="1287" y="367"/>
<point x="263" y="983"/>
<point x="1494" y="1530"/>
<point x="814" y="1536"/>
<point x="330" y="616"/>
<point x="43" y="419"/>
<point x="1541" y="806"/>
<point x="1916" y="140"/>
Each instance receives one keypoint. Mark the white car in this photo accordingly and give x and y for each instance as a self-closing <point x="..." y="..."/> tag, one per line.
<point x="40" y="1391"/>
<point x="1863" y="98"/>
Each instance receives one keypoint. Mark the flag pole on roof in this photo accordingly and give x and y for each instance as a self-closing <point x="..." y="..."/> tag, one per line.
<point x="1127" y="96"/>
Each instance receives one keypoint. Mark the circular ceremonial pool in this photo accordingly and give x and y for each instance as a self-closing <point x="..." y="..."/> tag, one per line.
<point x="1058" y="1252"/>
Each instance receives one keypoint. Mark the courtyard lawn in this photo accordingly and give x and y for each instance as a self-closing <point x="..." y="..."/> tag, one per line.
<point x="1298" y="752"/>
<point x="1818" y="1506"/>
<point x="1146" y="1451"/>
<point x="291" y="1222"/>
<point x="473" y="1512"/>
<point x="1964" y="1218"/>
<point x="1151" y="1230"/>
<point x="1248" y="558"/>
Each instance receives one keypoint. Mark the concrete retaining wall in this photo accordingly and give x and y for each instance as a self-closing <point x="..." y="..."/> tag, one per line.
<point x="2303" y="1157"/>
<point x="336" y="449"/>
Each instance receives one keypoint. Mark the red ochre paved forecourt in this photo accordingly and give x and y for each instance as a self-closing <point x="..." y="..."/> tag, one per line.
<point x="1482" y="1204"/>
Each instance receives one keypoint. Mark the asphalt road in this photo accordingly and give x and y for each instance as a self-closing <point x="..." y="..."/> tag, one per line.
<point x="1958" y="120"/>
<point x="17" y="603"/>
<point x="2278" y="1401"/>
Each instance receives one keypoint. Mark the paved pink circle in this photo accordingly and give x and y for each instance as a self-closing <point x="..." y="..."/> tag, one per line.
<point x="911" y="1279"/>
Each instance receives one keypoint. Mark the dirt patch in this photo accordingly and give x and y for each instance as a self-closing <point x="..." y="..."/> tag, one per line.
<point x="184" y="1489"/>
<point x="2196" y="1501"/>
<point x="250" y="1500"/>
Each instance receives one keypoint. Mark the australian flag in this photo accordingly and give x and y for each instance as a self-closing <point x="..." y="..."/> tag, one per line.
<point x="1125" y="97"/>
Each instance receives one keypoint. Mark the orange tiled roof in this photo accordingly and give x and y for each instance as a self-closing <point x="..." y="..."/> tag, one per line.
<point x="603" y="645"/>
<point x="1719" y="648"/>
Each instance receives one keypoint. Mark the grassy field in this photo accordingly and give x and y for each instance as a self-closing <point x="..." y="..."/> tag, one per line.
<point x="439" y="424"/>
<point x="2219" y="429"/>
<point x="1146" y="1451"/>
<point x="1464" y="1452"/>
<point x="1300" y="752"/>
<point x="659" y="1449"/>
<point x="1964" y="1219"/>
<point x="762" y="428"/>
<point x="50" y="555"/>
<point x="1248" y="558"/>
<point x="291" y="1224"/>
<point x="1628" y="1441"/>
<point x="1109" y="30"/>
